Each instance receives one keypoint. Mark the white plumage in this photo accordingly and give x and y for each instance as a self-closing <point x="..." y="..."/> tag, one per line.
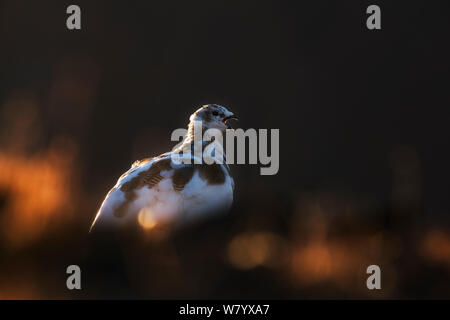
<point x="160" y="191"/>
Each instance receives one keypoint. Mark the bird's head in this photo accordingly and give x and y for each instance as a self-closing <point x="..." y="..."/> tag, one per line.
<point x="213" y="116"/>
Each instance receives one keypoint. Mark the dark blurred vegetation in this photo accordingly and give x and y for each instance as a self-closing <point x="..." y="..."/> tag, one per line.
<point x="364" y="147"/>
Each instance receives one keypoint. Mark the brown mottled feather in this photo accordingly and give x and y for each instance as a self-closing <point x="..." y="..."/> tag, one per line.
<point x="213" y="173"/>
<point x="150" y="178"/>
<point x="181" y="177"/>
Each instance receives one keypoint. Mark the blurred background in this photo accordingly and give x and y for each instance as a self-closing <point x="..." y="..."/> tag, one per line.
<point x="364" y="164"/>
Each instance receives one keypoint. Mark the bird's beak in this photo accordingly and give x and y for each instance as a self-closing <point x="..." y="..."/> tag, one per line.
<point x="232" y="117"/>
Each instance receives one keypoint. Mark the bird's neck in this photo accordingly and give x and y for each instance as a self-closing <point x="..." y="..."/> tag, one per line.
<point x="198" y="134"/>
<point x="197" y="139"/>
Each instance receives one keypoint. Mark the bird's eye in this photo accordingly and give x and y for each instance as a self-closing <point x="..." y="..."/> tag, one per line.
<point x="215" y="113"/>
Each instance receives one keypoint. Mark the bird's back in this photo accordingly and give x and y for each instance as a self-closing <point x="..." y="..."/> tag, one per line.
<point x="156" y="190"/>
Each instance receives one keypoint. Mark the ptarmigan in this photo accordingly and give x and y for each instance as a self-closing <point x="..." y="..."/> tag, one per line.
<point x="159" y="190"/>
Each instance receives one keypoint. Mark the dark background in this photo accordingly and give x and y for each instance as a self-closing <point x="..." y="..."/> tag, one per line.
<point x="364" y="153"/>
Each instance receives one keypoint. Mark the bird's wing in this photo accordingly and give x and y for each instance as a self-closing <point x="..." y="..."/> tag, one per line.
<point x="146" y="172"/>
<point x="121" y="200"/>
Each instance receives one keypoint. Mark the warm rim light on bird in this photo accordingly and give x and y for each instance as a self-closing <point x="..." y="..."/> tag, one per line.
<point x="146" y="219"/>
<point x="158" y="190"/>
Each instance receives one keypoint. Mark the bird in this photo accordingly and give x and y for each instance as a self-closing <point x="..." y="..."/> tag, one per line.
<point x="160" y="191"/>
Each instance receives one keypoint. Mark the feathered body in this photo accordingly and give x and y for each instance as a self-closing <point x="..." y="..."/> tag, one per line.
<point x="158" y="190"/>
